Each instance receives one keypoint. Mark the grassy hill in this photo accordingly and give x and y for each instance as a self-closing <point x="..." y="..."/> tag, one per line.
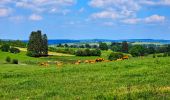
<point x="137" y="78"/>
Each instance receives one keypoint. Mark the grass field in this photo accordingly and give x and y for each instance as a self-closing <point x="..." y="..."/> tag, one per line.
<point x="66" y="58"/>
<point x="138" y="78"/>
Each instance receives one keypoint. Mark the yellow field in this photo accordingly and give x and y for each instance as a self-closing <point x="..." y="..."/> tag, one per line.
<point x="50" y="53"/>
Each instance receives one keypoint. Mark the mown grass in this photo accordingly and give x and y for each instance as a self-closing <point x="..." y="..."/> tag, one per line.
<point x="137" y="78"/>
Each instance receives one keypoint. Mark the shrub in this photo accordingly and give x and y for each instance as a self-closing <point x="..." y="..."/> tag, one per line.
<point x="5" y="47"/>
<point x="15" y="61"/>
<point x="165" y="54"/>
<point x="8" y="59"/>
<point x="34" y="54"/>
<point x="115" y="56"/>
<point x="168" y="53"/>
<point x="96" y="52"/>
<point x="88" y="52"/>
<point x="14" y="50"/>
<point x="29" y="54"/>
<point x="81" y="53"/>
<point x="159" y="55"/>
<point x="103" y="46"/>
<point x="137" y="50"/>
<point x="154" y="56"/>
<point x="151" y="50"/>
<point x="62" y="50"/>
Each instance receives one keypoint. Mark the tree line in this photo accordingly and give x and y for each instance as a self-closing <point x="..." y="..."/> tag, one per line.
<point x="14" y="43"/>
<point x="124" y="47"/>
<point x="88" y="52"/>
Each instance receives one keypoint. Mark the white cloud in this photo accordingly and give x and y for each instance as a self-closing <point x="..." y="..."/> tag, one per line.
<point x="4" y="12"/>
<point x="156" y="3"/>
<point x="131" y="21"/>
<point x="35" y="17"/>
<point x="154" y="18"/>
<point x="9" y="7"/>
<point x="150" y="19"/>
<point x="44" y="5"/>
<point x="105" y="14"/>
<point x="116" y="4"/>
<point x="126" y="10"/>
<point x="36" y="6"/>
<point x="118" y="8"/>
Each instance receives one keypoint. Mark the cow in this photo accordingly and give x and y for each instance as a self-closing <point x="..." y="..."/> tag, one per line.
<point x="119" y="59"/>
<point x="125" y="57"/>
<point x="99" y="59"/>
<point x="44" y="64"/>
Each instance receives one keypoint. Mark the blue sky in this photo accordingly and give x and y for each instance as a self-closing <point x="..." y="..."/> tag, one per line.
<point x="86" y="19"/>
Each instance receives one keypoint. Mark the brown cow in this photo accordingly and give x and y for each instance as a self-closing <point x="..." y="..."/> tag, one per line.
<point x="44" y="64"/>
<point x="92" y="61"/>
<point x="99" y="59"/>
<point x="125" y="57"/>
<point x="86" y="61"/>
<point x="119" y="59"/>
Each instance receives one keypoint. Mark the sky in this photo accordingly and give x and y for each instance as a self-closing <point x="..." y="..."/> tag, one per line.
<point x="85" y="19"/>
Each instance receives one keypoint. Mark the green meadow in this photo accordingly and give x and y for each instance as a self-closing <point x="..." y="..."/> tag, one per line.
<point x="142" y="78"/>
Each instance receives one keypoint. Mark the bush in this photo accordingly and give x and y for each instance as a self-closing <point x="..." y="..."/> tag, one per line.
<point x="32" y="54"/>
<point x="151" y="50"/>
<point x="15" y="61"/>
<point x="62" y="50"/>
<point x="80" y="53"/>
<point x="159" y="55"/>
<point x="154" y="56"/>
<point x="168" y="53"/>
<point x="5" y="47"/>
<point x="137" y="50"/>
<point x="8" y="59"/>
<point x="96" y="52"/>
<point x="103" y="46"/>
<point x="14" y="50"/>
<point x="165" y="54"/>
<point x="115" y="56"/>
<point x="88" y="52"/>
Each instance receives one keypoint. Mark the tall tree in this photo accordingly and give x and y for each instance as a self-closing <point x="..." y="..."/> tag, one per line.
<point x="37" y="45"/>
<point x="137" y="50"/>
<point x="125" y="47"/>
<point x="103" y="46"/>
<point x="44" y="44"/>
<point x="87" y="45"/>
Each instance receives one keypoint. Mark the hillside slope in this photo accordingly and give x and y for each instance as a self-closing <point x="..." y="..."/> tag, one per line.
<point x="138" y="78"/>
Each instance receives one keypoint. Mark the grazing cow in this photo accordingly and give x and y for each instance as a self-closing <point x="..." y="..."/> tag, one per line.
<point x="92" y="61"/>
<point x="99" y="59"/>
<point x="125" y="57"/>
<point x="86" y="61"/>
<point x="119" y="59"/>
<point x="78" y="62"/>
<point x="44" y="64"/>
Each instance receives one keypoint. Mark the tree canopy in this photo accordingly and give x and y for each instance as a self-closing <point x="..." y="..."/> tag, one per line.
<point x="37" y="44"/>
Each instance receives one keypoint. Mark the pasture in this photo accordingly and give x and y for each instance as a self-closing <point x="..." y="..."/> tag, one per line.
<point x="136" y="78"/>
